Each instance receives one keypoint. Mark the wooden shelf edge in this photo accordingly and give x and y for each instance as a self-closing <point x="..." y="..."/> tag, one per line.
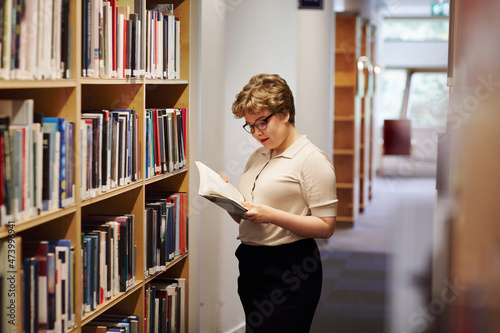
<point x="345" y="185"/>
<point x="345" y="219"/>
<point x="156" y="81"/>
<point x="110" y="81"/>
<point x="343" y="151"/>
<point x="37" y="84"/>
<point x="169" y="265"/>
<point x="140" y="80"/>
<point x="34" y="221"/>
<point x="111" y="193"/>
<point x="163" y="176"/>
<point x="103" y="307"/>
<point x="343" y="118"/>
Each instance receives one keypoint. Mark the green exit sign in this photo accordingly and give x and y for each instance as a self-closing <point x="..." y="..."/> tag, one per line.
<point x="440" y="9"/>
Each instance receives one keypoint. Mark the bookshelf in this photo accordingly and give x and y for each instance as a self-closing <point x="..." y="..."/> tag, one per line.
<point x="68" y="99"/>
<point x="371" y="125"/>
<point x="366" y="115"/>
<point x="349" y="88"/>
<point x="470" y="177"/>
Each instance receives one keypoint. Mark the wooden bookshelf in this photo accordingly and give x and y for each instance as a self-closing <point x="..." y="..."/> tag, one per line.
<point x="371" y="123"/>
<point x="469" y="184"/>
<point x="366" y="115"/>
<point x="66" y="98"/>
<point x="347" y="115"/>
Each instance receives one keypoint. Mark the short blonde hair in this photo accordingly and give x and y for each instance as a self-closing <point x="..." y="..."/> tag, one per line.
<point x="265" y="91"/>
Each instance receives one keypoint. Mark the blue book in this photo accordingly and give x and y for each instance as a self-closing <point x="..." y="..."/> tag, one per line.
<point x="52" y="125"/>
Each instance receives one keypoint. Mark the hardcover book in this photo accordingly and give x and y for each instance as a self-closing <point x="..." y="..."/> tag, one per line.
<point x="216" y="190"/>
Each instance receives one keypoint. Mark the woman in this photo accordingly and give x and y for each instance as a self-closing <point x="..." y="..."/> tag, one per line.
<point x="290" y="193"/>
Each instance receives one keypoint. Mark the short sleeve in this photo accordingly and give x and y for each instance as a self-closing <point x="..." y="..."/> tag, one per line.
<point x="319" y="188"/>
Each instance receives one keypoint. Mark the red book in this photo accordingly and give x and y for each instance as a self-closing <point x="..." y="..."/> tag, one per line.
<point x="156" y="136"/>
<point x="113" y="27"/>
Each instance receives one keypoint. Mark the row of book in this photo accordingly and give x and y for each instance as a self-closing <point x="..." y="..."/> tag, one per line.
<point x="108" y="265"/>
<point x="165" y="306"/>
<point x="108" y="258"/>
<point x="165" y="235"/>
<point x="36" y="161"/>
<point x="46" y="285"/>
<point x="108" y="322"/>
<point x="164" y="311"/>
<point x="165" y="140"/>
<point x="121" y="44"/>
<point x="110" y="150"/>
<point x="34" y="39"/>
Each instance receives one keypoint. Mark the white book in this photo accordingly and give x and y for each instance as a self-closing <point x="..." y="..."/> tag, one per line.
<point x="115" y="151"/>
<point x="57" y="169"/>
<point x="160" y="50"/>
<point x="119" y="46"/>
<point x="108" y="12"/>
<point x="32" y="37"/>
<point x="56" y="40"/>
<point x="38" y="169"/>
<point x="83" y="160"/>
<point x="47" y="39"/>
<point x="171" y="47"/>
<point x="177" y="49"/>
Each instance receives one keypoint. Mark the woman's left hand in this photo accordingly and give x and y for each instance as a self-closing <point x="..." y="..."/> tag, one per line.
<point x="258" y="213"/>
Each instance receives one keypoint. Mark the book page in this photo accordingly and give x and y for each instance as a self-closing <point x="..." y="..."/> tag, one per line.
<point x="215" y="189"/>
<point x="211" y="183"/>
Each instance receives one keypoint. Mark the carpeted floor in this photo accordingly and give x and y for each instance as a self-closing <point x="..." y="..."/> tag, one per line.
<point x="354" y="293"/>
<point x="359" y="260"/>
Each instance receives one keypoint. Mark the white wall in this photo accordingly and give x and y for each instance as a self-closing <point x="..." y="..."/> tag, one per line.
<point x="415" y="54"/>
<point x="238" y="39"/>
<point x="315" y="67"/>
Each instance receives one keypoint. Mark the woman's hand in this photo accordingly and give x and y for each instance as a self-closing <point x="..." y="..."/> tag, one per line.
<point x="305" y="226"/>
<point x="224" y="177"/>
<point x="258" y="213"/>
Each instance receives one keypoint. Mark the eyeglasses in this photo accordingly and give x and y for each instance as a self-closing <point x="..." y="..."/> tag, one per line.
<point x="259" y="124"/>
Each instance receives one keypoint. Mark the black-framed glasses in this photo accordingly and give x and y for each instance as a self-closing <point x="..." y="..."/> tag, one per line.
<point x="259" y="124"/>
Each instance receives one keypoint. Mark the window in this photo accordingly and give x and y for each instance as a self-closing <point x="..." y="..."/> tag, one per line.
<point x="428" y="99"/>
<point x="393" y="84"/>
<point x="415" y="29"/>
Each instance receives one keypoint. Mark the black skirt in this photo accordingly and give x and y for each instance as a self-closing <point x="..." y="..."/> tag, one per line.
<point x="279" y="286"/>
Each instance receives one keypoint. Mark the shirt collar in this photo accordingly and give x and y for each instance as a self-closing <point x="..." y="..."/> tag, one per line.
<point x="292" y="150"/>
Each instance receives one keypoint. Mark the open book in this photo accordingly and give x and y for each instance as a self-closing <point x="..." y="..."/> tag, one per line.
<point x="215" y="189"/>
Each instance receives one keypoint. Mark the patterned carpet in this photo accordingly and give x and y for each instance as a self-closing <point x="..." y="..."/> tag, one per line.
<point x="354" y="293"/>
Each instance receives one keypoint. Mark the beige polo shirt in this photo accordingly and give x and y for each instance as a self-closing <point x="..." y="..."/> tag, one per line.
<point x="300" y="181"/>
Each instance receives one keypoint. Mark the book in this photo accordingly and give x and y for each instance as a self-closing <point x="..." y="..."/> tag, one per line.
<point x="216" y="190"/>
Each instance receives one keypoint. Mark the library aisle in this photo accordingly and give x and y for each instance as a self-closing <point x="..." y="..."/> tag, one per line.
<point x="359" y="260"/>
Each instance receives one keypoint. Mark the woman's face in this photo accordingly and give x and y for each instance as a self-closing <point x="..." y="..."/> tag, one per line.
<point x="276" y="131"/>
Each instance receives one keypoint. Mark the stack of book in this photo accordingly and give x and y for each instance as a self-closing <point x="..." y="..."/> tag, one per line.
<point x="48" y="291"/>
<point x="162" y="43"/>
<point x="109" y="150"/>
<point x="165" y="140"/>
<point x="108" y="258"/>
<point x="36" y="161"/>
<point x="165" y="230"/>
<point x="165" y="306"/>
<point x="35" y="39"/>
<point x="114" y="45"/>
<point x="113" y="323"/>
